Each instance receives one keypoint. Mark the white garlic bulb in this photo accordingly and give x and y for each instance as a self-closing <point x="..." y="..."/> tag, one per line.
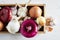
<point x="13" y="26"/>
<point x="22" y="11"/>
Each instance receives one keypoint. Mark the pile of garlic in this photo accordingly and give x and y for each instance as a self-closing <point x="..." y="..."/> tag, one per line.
<point x="14" y="25"/>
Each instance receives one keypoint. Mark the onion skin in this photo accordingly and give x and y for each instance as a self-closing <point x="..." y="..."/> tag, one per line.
<point x="35" y="12"/>
<point x="33" y="31"/>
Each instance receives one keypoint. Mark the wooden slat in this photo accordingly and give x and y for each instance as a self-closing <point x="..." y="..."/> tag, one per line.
<point x="22" y="4"/>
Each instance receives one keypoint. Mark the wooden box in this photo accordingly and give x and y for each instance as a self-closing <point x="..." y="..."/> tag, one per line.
<point x="42" y="6"/>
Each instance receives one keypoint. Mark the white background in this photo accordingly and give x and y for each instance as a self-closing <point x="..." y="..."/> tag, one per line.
<point x="52" y="9"/>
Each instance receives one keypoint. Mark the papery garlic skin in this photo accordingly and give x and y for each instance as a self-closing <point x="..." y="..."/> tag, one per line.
<point x="14" y="11"/>
<point x="50" y="21"/>
<point x="22" y="11"/>
<point x="13" y="26"/>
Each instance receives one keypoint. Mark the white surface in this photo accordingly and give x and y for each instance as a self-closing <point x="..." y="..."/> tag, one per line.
<point x="52" y="9"/>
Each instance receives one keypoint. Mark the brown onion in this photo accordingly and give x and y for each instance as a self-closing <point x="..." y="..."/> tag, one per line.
<point x="35" y="12"/>
<point x="1" y="25"/>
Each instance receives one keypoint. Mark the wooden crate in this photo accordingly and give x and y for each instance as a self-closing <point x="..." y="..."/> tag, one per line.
<point x="42" y="6"/>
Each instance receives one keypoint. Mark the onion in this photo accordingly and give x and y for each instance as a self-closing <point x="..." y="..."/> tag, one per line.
<point x="28" y="28"/>
<point x="41" y="21"/>
<point x="5" y="14"/>
<point x="35" y="12"/>
<point x="1" y="25"/>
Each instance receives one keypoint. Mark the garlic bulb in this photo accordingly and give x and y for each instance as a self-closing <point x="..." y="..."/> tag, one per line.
<point x="14" y="11"/>
<point x="13" y="26"/>
<point x="22" y="11"/>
